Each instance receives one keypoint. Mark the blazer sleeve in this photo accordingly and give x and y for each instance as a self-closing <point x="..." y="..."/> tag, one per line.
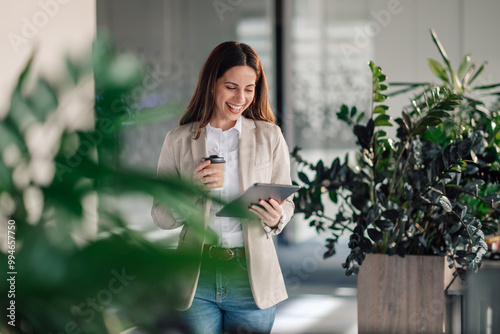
<point x="281" y="173"/>
<point x="162" y="216"/>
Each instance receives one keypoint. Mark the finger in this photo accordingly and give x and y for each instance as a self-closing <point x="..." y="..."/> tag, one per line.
<point x="258" y="212"/>
<point x="275" y="204"/>
<point x="268" y="215"/>
<point x="202" y="165"/>
<point x="269" y="208"/>
<point x="211" y="185"/>
<point x="210" y="179"/>
<point x="264" y="216"/>
<point x="275" y="211"/>
<point x="210" y="171"/>
<point x="205" y="172"/>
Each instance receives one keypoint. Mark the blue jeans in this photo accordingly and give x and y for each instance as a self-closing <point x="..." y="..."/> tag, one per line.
<point x="223" y="302"/>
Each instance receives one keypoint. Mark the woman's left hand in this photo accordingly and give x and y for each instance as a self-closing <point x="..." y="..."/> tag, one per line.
<point x="269" y="212"/>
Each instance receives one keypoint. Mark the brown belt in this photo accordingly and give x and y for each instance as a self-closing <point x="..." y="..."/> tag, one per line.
<point x="222" y="253"/>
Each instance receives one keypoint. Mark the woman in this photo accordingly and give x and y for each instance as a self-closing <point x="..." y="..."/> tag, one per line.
<point x="238" y="281"/>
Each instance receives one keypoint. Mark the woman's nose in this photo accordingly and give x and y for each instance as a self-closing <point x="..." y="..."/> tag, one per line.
<point x="240" y="95"/>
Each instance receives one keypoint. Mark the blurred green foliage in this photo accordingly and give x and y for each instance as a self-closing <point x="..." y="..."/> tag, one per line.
<point x="53" y="171"/>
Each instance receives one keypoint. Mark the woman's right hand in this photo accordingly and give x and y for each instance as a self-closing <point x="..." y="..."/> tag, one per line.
<point x="205" y="175"/>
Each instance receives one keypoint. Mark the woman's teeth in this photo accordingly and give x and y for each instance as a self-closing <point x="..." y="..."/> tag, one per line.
<point x="233" y="106"/>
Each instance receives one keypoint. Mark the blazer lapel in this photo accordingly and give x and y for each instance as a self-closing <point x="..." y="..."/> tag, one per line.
<point x="246" y="153"/>
<point x="198" y="146"/>
<point x="199" y="150"/>
<point x="246" y="160"/>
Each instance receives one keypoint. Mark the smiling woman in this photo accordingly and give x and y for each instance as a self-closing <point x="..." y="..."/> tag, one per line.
<point x="234" y="92"/>
<point x="237" y="281"/>
<point x="229" y="65"/>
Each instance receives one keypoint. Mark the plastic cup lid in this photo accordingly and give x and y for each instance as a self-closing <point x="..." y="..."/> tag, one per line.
<point x="215" y="159"/>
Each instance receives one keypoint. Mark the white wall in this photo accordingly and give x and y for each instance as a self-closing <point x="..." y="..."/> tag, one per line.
<point x="403" y="45"/>
<point x="53" y="28"/>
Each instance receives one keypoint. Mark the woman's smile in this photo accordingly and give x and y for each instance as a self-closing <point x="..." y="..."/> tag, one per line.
<point x="234" y="108"/>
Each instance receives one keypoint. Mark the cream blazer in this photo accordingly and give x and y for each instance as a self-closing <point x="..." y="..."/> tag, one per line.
<point x="263" y="157"/>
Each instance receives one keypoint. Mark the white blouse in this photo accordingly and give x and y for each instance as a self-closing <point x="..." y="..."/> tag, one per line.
<point x="226" y="144"/>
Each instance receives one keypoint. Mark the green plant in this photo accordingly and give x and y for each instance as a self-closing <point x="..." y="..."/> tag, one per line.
<point x="67" y="280"/>
<point x="433" y="190"/>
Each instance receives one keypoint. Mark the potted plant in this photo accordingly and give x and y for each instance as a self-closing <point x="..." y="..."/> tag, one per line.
<point x="432" y="190"/>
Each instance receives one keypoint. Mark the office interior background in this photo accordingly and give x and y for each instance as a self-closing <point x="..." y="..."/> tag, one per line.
<point x="314" y="52"/>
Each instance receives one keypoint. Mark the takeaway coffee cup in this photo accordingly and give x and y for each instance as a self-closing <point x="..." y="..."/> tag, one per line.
<point x="219" y="163"/>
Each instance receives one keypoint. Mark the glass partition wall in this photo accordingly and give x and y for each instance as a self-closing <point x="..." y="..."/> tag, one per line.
<point x="175" y="38"/>
<point x="326" y="68"/>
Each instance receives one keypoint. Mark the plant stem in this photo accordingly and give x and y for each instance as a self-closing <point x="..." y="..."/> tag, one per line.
<point x="464" y="225"/>
<point x="394" y="183"/>
<point x="494" y="136"/>
<point x="334" y="221"/>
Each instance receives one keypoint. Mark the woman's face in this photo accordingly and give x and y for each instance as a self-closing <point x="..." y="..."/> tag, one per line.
<point x="234" y="92"/>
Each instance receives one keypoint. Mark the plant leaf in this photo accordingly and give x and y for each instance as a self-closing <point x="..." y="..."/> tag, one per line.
<point x="432" y="121"/>
<point x="333" y="196"/>
<point x="468" y="74"/>
<point x="391" y="214"/>
<point x="383" y="120"/>
<point x="422" y="241"/>
<point x="407" y="120"/>
<point x="479" y="70"/>
<point x="354" y="110"/>
<point x="438" y="70"/>
<point x="366" y="245"/>
<point x="303" y="177"/>
<point x="384" y="225"/>
<point x="439" y="113"/>
<point x="455" y="228"/>
<point x="445" y="203"/>
<point x="377" y="97"/>
<point x="487" y="86"/>
<point x="380" y="109"/>
<point x="360" y="117"/>
<point x="375" y="235"/>
<point x="463" y="66"/>
<point x="343" y="114"/>
<point x="455" y="82"/>
<point x="473" y="186"/>
<point x="464" y="147"/>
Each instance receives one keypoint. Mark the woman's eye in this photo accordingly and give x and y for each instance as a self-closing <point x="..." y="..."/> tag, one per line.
<point x="231" y="88"/>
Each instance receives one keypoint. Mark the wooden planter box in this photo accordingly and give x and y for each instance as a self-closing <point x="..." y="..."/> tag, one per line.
<point x="402" y="295"/>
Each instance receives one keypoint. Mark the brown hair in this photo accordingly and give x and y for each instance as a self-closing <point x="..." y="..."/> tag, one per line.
<point x="225" y="56"/>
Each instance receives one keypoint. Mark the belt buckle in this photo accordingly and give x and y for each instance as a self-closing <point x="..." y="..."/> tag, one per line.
<point x="225" y="254"/>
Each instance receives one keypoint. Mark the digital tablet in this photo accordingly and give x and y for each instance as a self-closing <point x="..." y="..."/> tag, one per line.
<point x="238" y="208"/>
